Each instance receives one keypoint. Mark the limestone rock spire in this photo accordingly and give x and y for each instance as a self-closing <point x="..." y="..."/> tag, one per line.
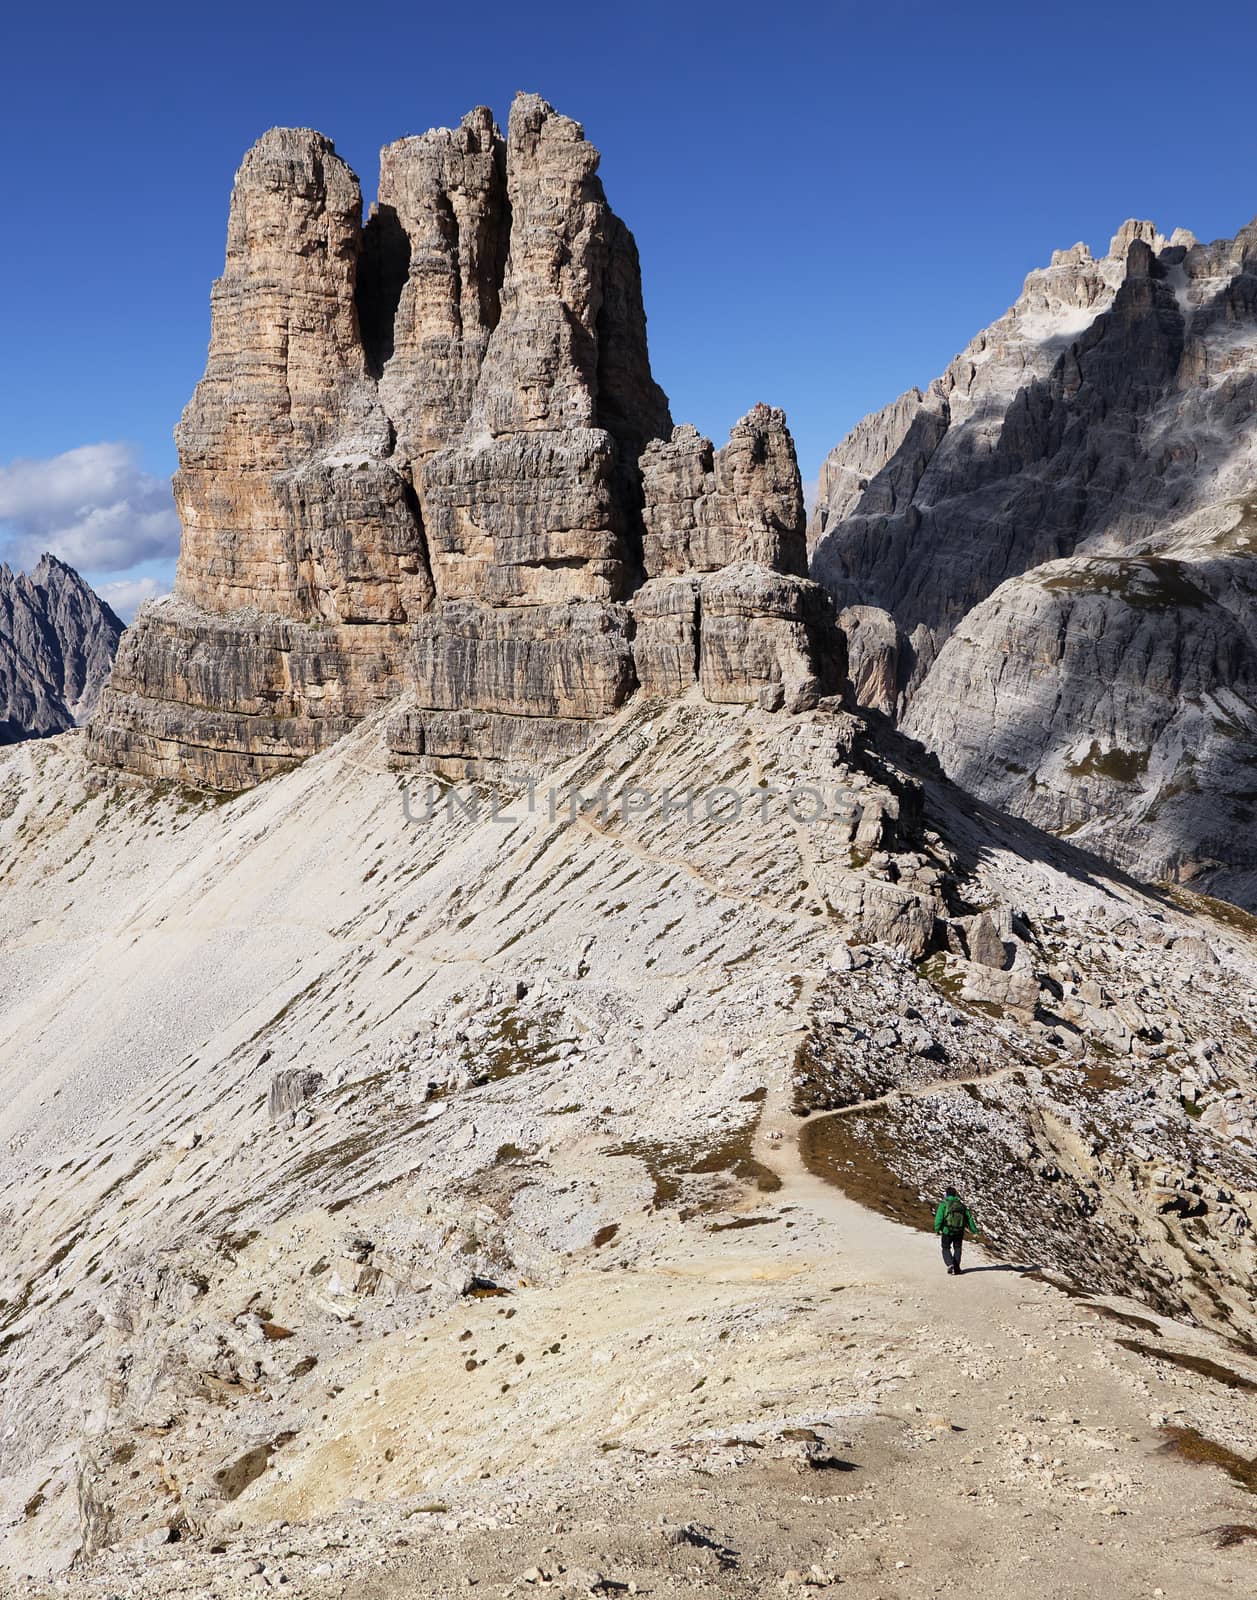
<point x="428" y="459"/>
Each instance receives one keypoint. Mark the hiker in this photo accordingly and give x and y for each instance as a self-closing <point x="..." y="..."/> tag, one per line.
<point x="950" y="1221"/>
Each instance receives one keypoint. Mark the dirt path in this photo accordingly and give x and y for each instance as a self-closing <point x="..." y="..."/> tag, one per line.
<point x="985" y="1435"/>
<point x="1030" y="1388"/>
<point x="916" y="1091"/>
<point x="999" y="1442"/>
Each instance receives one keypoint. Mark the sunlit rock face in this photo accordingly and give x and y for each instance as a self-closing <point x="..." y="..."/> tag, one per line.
<point x="1046" y="559"/>
<point x="428" y="463"/>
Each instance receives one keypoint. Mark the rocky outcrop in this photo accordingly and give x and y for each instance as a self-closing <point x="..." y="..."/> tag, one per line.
<point x="434" y="254"/>
<point x="302" y="551"/>
<point x="532" y="509"/>
<point x="1058" y="534"/>
<point x="525" y="504"/>
<point x="57" y="644"/>
<point x="289" y="1091"/>
<point x="224" y="701"/>
<point x="875" y="656"/>
<point x="726" y="606"/>
<point x="1111" y="697"/>
<point x="288" y="502"/>
<point x="512" y="685"/>
<point x="765" y="638"/>
<point x="428" y="458"/>
<point x="705" y="510"/>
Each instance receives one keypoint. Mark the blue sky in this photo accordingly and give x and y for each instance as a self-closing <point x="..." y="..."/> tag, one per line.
<point x="829" y="200"/>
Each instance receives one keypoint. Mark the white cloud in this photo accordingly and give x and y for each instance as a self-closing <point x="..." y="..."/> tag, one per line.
<point x="94" y="507"/>
<point x="126" y="595"/>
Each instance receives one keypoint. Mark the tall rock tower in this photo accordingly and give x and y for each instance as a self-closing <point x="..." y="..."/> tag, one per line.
<point x="428" y="463"/>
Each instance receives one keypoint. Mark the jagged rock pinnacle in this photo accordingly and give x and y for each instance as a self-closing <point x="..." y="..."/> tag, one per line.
<point x="429" y="455"/>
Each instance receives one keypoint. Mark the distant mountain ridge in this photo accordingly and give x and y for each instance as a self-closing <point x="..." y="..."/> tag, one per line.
<point x="1047" y="557"/>
<point x="58" y="640"/>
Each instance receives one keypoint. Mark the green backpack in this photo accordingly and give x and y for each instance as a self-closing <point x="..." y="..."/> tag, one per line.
<point x="954" y="1214"/>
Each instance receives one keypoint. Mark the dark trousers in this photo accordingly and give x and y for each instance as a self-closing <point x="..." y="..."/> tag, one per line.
<point x="953" y="1244"/>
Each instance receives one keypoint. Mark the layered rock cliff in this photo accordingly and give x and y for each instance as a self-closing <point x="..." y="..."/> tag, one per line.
<point x="428" y="463"/>
<point x="1046" y="559"/>
<point x="57" y="644"/>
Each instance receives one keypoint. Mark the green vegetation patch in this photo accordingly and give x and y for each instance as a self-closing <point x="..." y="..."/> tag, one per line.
<point x="513" y="1043"/>
<point x="1150" y="583"/>
<point x="1117" y="765"/>
<point x="670" y="1164"/>
<point x="1223" y="911"/>
<point x="1189" y="1445"/>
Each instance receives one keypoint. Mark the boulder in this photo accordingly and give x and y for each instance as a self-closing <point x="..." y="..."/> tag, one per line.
<point x="875" y="655"/>
<point x="289" y="1091"/>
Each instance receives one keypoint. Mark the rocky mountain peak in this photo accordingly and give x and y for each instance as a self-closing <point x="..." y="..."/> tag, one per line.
<point x="1132" y="230"/>
<point x="376" y="1188"/>
<point x="50" y="568"/>
<point x="428" y="457"/>
<point x="57" y="644"/>
<point x="1057" y="539"/>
